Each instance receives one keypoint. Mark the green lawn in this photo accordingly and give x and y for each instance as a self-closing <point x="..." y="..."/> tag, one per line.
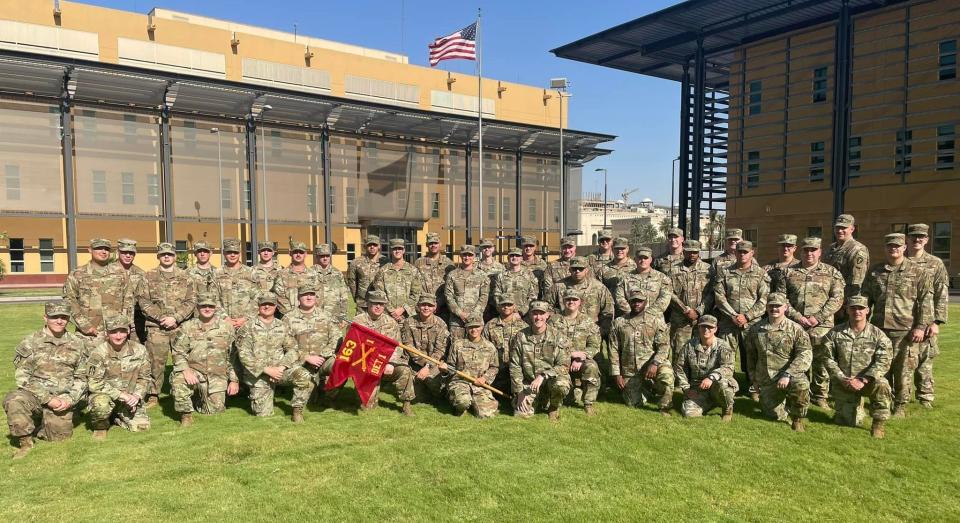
<point x="623" y="465"/>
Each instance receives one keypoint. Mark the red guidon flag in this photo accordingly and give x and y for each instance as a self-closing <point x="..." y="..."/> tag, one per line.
<point x="363" y="356"/>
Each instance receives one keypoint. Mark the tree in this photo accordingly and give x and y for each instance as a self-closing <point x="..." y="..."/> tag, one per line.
<point x="643" y="233"/>
<point x="665" y="226"/>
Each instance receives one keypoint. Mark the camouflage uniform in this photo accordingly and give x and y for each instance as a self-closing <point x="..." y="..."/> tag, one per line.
<point x="316" y="334"/>
<point x="491" y="267"/>
<point x="402" y="285"/>
<point x="208" y="350"/>
<point x="112" y="372"/>
<point x="780" y="350"/>
<point x="723" y="261"/>
<point x="531" y="355"/>
<point x="611" y="273"/>
<point x="852" y="354"/>
<point x="238" y="291"/>
<point x="261" y="345"/>
<point x="287" y="282"/>
<point x="693" y="363"/>
<point x="584" y="336"/>
<point x="333" y="291"/>
<point x="740" y="291"/>
<point x="776" y="270"/>
<point x="655" y="284"/>
<point x="929" y="348"/>
<point x="163" y="294"/>
<point x="95" y="291"/>
<point x="499" y="332"/>
<point x="637" y="341"/>
<point x="520" y="286"/>
<point x="204" y="280"/>
<point x="555" y="271"/>
<point x="597" y="262"/>
<point x="478" y="359"/>
<point x="596" y="301"/>
<point x="267" y="274"/>
<point x="434" y="273"/>
<point x="431" y="337"/>
<point x="852" y="259"/>
<point x="691" y="289"/>
<point x="467" y="292"/>
<point x="537" y="266"/>
<point x="402" y="376"/>
<point x="136" y="275"/>
<point x="360" y="275"/>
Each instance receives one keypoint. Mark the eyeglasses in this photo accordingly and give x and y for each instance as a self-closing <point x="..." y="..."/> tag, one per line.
<point x="577" y="269"/>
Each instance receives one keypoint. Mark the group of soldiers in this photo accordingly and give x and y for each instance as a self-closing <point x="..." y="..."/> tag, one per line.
<point x="803" y="329"/>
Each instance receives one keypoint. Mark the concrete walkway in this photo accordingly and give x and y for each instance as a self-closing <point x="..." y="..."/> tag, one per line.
<point x="28" y="299"/>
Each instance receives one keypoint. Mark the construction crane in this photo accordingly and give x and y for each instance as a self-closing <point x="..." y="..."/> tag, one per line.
<point x="626" y="194"/>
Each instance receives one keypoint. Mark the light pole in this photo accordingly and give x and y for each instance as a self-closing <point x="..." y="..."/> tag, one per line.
<point x="604" y="195"/>
<point x="216" y="130"/>
<point x="673" y="170"/>
<point x="263" y="162"/>
<point x="561" y="85"/>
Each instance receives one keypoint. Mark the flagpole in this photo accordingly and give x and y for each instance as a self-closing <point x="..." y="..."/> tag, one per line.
<point x="480" y="117"/>
<point x="463" y="375"/>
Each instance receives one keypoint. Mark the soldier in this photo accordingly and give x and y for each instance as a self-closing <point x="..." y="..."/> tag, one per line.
<point x="901" y="299"/>
<point x="49" y="372"/>
<point x="203" y="273"/>
<point x="704" y="371"/>
<point x="849" y="256"/>
<point x="167" y="298"/>
<point x="516" y="282"/>
<point x="238" y="285"/>
<point x="604" y="251"/>
<point x="427" y="333"/>
<point x="692" y="295"/>
<point x="467" y="291"/>
<point x="539" y="363"/>
<point x="126" y="253"/>
<point x="560" y="268"/>
<point x="655" y="284"/>
<point x="673" y="258"/>
<point x="940" y="284"/>
<point x="361" y="271"/>
<point x="857" y="356"/>
<point x="288" y="279"/>
<point x="118" y="378"/>
<point x="434" y="268"/>
<point x="203" y="362"/>
<point x="729" y="255"/>
<point x="787" y="243"/>
<point x="488" y="261"/>
<point x="584" y="337"/>
<point x="499" y="331"/>
<point x="781" y="351"/>
<point x="97" y="289"/>
<point x="533" y="263"/>
<point x="476" y="357"/>
<point x="618" y="267"/>
<point x="318" y="336"/>
<point x="640" y="356"/>
<point x="400" y="282"/>
<point x="268" y="352"/>
<point x="596" y="300"/>
<point x="332" y="286"/>
<point x="815" y="291"/>
<point x="397" y="372"/>
<point x="267" y="267"/>
<point x="740" y="292"/>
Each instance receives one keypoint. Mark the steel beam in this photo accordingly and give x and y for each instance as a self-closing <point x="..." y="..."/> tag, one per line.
<point x="696" y="179"/>
<point x="66" y="144"/>
<point x="841" y="109"/>
<point x="325" y="170"/>
<point x="166" y="177"/>
<point x="468" y="184"/>
<point x="251" y="143"/>
<point x="684" y="183"/>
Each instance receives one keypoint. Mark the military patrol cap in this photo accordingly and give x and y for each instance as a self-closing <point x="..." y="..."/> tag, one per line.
<point x="643" y="251"/>
<point x="307" y="288"/>
<point x="433" y="237"/>
<point x="397" y="242"/>
<point x="166" y="248"/>
<point x="297" y="246"/>
<point x="691" y="245"/>
<point x="266" y="297"/>
<point x="201" y="245"/>
<point x="267" y="246"/>
<point x="468" y="249"/>
<point x="637" y="295"/>
<point x="504" y="299"/>
<point x="474" y="322"/>
<point x="322" y="250"/>
<point x="427" y="298"/>
<point x="811" y="242"/>
<point x="116" y="322"/>
<point x="858" y="301"/>
<point x="776" y="298"/>
<point x="126" y="245"/>
<point x="918" y="229"/>
<point x="708" y="319"/>
<point x="894" y="238"/>
<point x="571" y="294"/>
<point x="515" y="252"/>
<point x="56" y="308"/>
<point x="231" y="245"/>
<point x="569" y="241"/>
<point x="578" y="262"/>
<point x="527" y="240"/>
<point x="844" y="220"/>
<point x="744" y="245"/>
<point x="605" y="234"/>
<point x="486" y="242"/>
<point x="206" y="298"/>
<point x="376" y="297"/>
<point x="539" y="305"/>
<point x="787" y="239"/>
<point x="371" y="238"/>
<point x="99" y="243"/>
<point x="675" y="231"/>
<point x="733" y="233"/>
<point x="621" y="243"/>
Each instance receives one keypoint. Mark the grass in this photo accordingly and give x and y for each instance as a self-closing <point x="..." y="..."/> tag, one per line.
<point x="24" y="292"/>
<point x="623" y="465"/>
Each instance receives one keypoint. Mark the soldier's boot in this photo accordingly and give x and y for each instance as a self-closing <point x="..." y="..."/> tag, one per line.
<point x="798" y="425"/>
<point x="927" y="404"/>
<point x="727" y="415"/>
<point x="152" y="402"/>
<point x="554" y="415"/>
<point x="370" y="405"/>
<point x="900" y="411"/>
<point x="822" y="403"/>
<point x="754" y="395"/>
<point x="297" y="416"/>
<point x="186" y="419"/>
<point x="589" y="410"/>
<point x="407" y="409"/>
<point x="665" y="412"/>
<point x="877" y="430"/>
<point x="26" y="445"/>
<point x="460" y="413"/>
<point x="100" y="434"/>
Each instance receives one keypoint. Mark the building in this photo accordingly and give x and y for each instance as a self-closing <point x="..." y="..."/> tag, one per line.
<point x="796" y="112"/>
<point x="153" y="126"/>
<point x="620" y="216"/>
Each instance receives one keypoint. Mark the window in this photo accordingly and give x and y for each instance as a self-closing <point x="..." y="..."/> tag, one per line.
<point x="46" y="255"/>
<point x="505" y="208"/>
<point x="226" y="194"/>
<point x="401" y="199"/>
<point x="351" y="251"/>
<point x="898" y="227"/>
<point x="435" y="205"/>
<point x="556" y="211"/>
<point x="814" y="232"/>
<point x="311" y="198"/>
<point x="99" y="187"/>
<point x="153" y="189"/>
<point x="946" y="140"/>
<point x="418" y="203"/>
<point x="948" y="60"/>
<point x="130" y="128"/>
<point x="16" y="254"/>
<point x="246" y="196"/>
<point x="942" y="231"/>
<point x="331" y="199"/>
<point x="532" y="210"/>
<point x="351" y="203"/>
<point x="817" y="161"/>
<point x="180" y="246"/>
<point x="756" y="97"/>
<point x="820" y="84"/>
<point x="463" y="206"/>
<point x="903" y="153"/>
<point x="11" y="177"/>
<point x="751" y="236"/>
<point x="126" y="185"/>
<point x="491" y="208"/>
<point x="853" y="156"/>
<point x="753" y="168"/>
<point x="276" y="145"/>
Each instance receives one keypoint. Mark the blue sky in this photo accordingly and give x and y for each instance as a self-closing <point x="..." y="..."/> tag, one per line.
<point x="516" y="37"/>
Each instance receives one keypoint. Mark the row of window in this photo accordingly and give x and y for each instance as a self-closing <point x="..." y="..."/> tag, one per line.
<point x="17" y="251"/>
<point x="505" y="208"/>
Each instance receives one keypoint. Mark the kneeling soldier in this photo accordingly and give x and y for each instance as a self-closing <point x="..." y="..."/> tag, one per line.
<point x="640" y="356"/>
<point x="427" y="333"/>
<point x="704" y="370"/>
<point x="584" y="336"/>
<point x="539" y="362"/>
<point x="477" y="357"/>
<point x="318" y="336"/>
<point x="397" y="372"/>
<point x="118" y="378"/>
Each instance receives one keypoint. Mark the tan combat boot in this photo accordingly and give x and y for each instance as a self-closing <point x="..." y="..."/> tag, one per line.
<point x="900" y="411"/>
<point x="665" y="412"/>
<point x="297" y="415"/>
<point x="822" y="403"/>
<point x="186" y="419"/>
<point x="407" y="409"/>
<point x="798" y="425"/>
<point x="877" y="430"/>
<point x="99" y="434"/>
<point x="26" y="445"/>
<point x="152" y="402"/>
<point x="554" y="415"/>
<point x="926" y="404"/>
<point x="727" y="415"/>
<point x="589" y="410"/>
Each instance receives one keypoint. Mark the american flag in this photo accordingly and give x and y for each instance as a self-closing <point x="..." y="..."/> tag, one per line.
<point x="462" y="44"/>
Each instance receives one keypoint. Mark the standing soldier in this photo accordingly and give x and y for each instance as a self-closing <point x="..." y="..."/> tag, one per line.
<point x="640" y="356"/>
<point x="559" y="268"/>
<point x="940" y="283"/>
<point x="361" y="271"/>
<point x="400" y="282"/>
<point x="604" y="251"/>
<point x="433" y="268"/>
<point x="704" y="371"/>
<point x="618" y="267"/>
<point x="97" y="289"/>
<point x="584" y="337"/>
<point x="499" y="331"/>
<point x="49" y="371"/>
<point x="477" y="357"/>
<point x="740" y="292"/>
<point x="203" y="273"/>
<point x="849" y="256"/>
<point x="539" y="365"/>
<point x="692" y="295"/>
<point x="857" y="356"/>
<point x="729" y="255"/>
<point x="533" y="263"/>
<point x="397" y="371"/>
<point x="815" y="292"/>
<point x="318" y="336"/>
<point x="333" y="288"/>
<point x="268" y="351"/>
<point x="427" y="333"/>
<point x="782" y="355"/>
<point x="167" y="299"/>
<point x="118" y="378"/>
<point x="203" y="362"/>
<point x="673" y="258"/>
<point x="517" y="283"/>
<point x="288" y="279"/>
<point x="126" y="253"/>
<point x="238" y="285"/>
<point x="596" y="301"/>
<point x="655" y="285"/>
<point x="787" y="243"/>
<point x="900" y="296"/>
<point x="488" y="261"/>
<point x="267" y="267"/>
<point x="467" y="291"/>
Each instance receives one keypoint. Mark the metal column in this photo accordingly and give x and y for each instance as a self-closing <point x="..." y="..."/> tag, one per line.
<point x="841" y="110"/>
<point x="468" y="185"/>
<point x="66" y="143"/>
<point x="684" y="184"/>
<point x="327" y="196"/>
<point x="519" y="159"/>
<point x="251" y="131"/>
<point x="166" y="174"/>
<point x="696" y="181"/>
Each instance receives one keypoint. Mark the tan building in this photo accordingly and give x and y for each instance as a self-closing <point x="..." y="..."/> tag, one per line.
<point x="117" y="124"/>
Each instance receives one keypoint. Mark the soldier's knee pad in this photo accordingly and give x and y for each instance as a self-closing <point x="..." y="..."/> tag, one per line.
<point x="101" y="405"/>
